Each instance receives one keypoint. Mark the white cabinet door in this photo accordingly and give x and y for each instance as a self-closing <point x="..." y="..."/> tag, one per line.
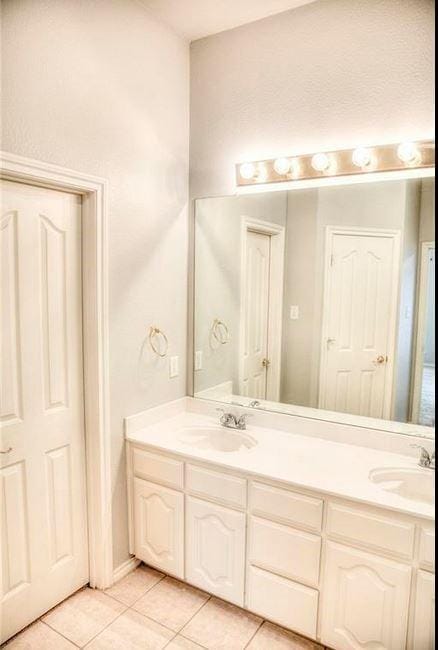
<point x="424" y="618"/>
<point x="159" y="526"/>
<point x="365" y="600"/>
<point x="215" y="558"/>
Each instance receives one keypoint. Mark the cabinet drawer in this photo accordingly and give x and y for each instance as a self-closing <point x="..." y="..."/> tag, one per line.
<point x="296" y="556"/>
<point x="157" y="468"/>
<point x="282" y="601"/>
<point x="427" y="548"/>
<point x="225" y="488"/>
<point x="286" y="506"/>
<point x="370" y="529"/>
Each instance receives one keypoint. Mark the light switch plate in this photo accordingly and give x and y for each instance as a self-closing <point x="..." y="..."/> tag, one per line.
<point x="198" y="360"/>
<point x="294" y="312"/>
<point x="173" y="367"/>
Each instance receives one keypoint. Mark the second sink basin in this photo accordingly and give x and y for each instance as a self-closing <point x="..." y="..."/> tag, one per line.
<point x="217" y="438"/>
<point x="414" y="484"/>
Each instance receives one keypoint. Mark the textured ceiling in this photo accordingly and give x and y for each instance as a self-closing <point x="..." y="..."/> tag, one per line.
<point x="195" y="19"/>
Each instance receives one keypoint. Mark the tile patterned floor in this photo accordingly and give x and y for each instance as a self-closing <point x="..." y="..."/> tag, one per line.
<point x="147" y="610"/>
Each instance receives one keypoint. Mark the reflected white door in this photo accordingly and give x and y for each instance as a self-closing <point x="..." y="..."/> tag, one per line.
<point x="256" y="315"/>
<point x="42" y="465"/>
<point x="359" y="315"/>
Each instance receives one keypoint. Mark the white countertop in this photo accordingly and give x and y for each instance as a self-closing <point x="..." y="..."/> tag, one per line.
<point x="315" y="464"/>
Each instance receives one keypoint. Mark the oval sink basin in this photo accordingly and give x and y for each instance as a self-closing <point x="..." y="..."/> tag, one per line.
<point x="217" y="438"/>
<point x="415" y="484"/>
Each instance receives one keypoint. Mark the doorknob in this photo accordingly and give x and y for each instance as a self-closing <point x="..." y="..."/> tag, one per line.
<point x="266" y="363"/>
<point x="381" y="359"/>
<point x="6" y="451"/>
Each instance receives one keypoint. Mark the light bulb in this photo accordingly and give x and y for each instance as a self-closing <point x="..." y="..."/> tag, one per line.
<point x="320" y="162"/>
<point x="247" y="171"/>
<point x="282" y="166"/>
<point x="361" y="157"/>
<point x="408" y="152"/>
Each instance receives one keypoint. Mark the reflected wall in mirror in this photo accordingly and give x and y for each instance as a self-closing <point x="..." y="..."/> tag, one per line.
<point x="319" y="302"/>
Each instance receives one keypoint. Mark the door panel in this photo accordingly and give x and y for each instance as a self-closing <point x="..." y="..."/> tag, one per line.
<point x="43" y="502"/>
<point x="215" y="558"/>
<point x="424" y="619"/>
<point x="256" y="315"/>
<point x="365" y="600"/>
<point x="359" y="317"/>
<point x="159" y="526"/>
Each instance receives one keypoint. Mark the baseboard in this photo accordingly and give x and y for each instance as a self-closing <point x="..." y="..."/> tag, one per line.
<point x="125" y="568"/>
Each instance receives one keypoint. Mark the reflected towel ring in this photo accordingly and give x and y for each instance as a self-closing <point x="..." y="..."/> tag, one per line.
<point x="156" y="332"/>
<point x="220" y="331"/>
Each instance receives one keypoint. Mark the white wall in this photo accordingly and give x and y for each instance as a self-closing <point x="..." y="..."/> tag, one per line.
<point x="102" y="87"/>
<point x="330" y="74"/>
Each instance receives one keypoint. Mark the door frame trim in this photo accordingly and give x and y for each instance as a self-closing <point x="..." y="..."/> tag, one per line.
<point x="417" y="379"/>
<point x="94" y="191"/>
<point x="395" y="235"/>
<point x="275" y="323"/>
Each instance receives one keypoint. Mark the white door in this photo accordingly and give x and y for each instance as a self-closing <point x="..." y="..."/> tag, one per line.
<point x="44" y="544"/>
<point x="159" y="526"/>
<point x="215" y="557"/>
<point x="424" y="618"/>
<point x="365" y="601"/>
<point x="256" y="315"/>
<point x="359" y="324"/>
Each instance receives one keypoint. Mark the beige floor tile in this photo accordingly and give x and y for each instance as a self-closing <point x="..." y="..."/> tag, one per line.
<point x="83" y="615"/>
<point x="221" y="625"/>
<point x="171" y="603"/>
<point x="180" y="643"/>
<point x="39" y="636"/>
<point x="277" y="638"/>
<point x="132" y="631"/>
<point x="134" y="585"/>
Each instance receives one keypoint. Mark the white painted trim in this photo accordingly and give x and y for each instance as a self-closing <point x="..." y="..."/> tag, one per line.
<point x="420" y="328"/>
<point x="94" y="193"/>
<point x="331" y="232"/>
<point x="125" y="568"/>
<point x="275" y="325"/>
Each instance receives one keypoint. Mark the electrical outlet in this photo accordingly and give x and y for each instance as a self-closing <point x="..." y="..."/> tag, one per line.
<point x="173" y="367"/>
<point x="294" y="312"/>
<point x="198" y="360"/>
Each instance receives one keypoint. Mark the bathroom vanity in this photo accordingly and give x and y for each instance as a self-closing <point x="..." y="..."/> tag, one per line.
<point x="331" y="540"/>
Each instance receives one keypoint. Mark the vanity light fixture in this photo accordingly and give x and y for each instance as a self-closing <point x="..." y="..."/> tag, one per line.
<point x="361" y="157"/>
<point x="345" y="162"/>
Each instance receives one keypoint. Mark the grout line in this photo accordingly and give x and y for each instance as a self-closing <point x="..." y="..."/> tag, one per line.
<point x="60" y="633"/>
<point x="163" y="575"/>
<point x="256" y="632"/>
<point x="104" y="628"/>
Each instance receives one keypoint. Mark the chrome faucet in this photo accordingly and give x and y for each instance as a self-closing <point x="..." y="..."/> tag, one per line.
<point x="232" y="421"/>
<point x="426" y="459"/>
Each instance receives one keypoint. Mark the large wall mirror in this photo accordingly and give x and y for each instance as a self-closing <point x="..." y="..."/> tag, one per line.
<point x="320" y="302"/>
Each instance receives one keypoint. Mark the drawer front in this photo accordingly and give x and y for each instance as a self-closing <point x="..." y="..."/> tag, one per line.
<point x="230" y="490"/>
<point x="282" y="601"/>
<point x="370" y="529"/>
<point x="297" y="554"/>
<point x="286" y="506"/>
<point x="427" y="548"/>
<point x="158" y="468"/>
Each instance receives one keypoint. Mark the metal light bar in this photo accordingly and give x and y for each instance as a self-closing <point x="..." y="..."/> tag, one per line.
<point x="331" y="164"/>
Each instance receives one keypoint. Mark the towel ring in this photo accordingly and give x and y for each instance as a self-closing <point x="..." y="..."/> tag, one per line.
<point x="220" y="332"/>
<point x="156" y="332"/>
